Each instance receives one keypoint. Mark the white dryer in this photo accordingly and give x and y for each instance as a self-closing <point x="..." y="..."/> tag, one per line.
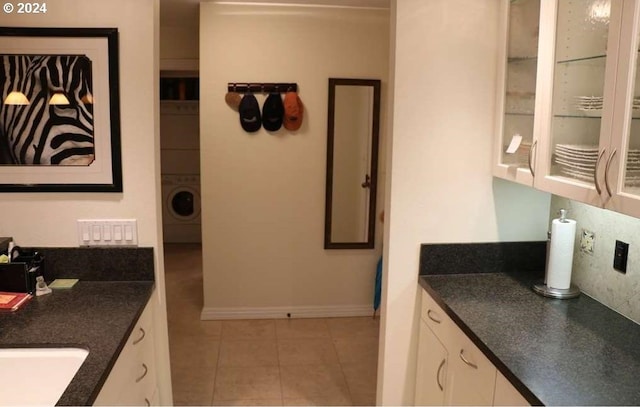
<point x="181" y="220"/>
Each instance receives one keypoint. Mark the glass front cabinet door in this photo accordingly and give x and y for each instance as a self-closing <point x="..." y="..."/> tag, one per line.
<point x="518" y="65"/>
<point x="569" y="106"/>
<point x="622" y="169"/>
<point x="580" y="58"/>
<point x="589" y="147"/>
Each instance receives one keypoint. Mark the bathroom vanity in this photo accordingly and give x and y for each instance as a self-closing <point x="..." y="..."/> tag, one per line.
<point x="101" y="313"/>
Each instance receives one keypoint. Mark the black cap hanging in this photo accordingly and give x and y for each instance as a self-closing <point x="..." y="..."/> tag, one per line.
<point x="272" y="112"/>
<point x="249" y="110"/>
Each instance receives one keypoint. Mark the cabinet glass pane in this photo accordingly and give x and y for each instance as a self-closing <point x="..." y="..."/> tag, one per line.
<point x="632" y="168"/>
<point x="579" y="79"/>
<point x="522" y="60"/>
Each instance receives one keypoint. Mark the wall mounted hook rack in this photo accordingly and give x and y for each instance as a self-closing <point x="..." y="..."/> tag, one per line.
<point x="259" y="87"/>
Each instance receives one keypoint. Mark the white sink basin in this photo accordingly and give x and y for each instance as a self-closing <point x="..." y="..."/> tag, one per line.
<point x="37" y="376"/>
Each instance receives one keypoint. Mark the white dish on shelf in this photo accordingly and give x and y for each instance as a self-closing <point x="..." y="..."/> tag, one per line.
<point x="589" y="98"/>
<point x="577" y="149"/>
<point x="572" y="165"/>
<point x="576" y="157"/>
<point x="577" y="175"/>
<point x="586" y="170"/>
<point x="587" y="162"/>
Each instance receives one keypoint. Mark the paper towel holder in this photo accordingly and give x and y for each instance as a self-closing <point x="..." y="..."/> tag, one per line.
<point x="542" y="288"/>
<point x="558" y="293"/>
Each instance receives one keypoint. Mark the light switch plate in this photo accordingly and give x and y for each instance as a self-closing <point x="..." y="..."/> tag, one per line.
<point x="587" y="241"/>
<point x="107" y="232"/>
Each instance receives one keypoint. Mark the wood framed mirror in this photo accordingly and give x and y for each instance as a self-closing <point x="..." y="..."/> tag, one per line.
<point x="352" y="163"/>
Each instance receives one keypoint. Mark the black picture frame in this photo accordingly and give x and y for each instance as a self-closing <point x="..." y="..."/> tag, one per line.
<point x="99" y="46"/>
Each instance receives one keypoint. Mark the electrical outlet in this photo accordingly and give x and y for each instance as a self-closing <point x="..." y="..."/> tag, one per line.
<point x="587" y="241"/>
<point x="620" y="256"/>
<point x="107" y="232"/>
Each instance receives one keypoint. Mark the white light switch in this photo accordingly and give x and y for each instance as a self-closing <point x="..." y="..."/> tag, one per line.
<point x="85" y="233"/>
<point x="96" y="235"/>
<point x="107" y="232"/>
<point x="128" y="233"/>
<point x="117" y="232"/>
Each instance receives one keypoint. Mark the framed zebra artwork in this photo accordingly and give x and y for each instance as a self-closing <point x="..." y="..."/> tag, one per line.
<point x="59" y="110"/>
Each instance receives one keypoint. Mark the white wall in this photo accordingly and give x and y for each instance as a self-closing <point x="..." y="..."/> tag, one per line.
<point x="440" y="187"/>
<point x="263" y="194"/>
<point x="49" y="219"/>
<point x="179" y="22"/>
<point x="179" y="47"/>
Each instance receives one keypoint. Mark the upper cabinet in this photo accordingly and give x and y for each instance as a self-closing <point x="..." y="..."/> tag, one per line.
<point x="622" y="171"/>
<point x="585" y="142"/>
<point x="517" y="91"/>
<point x="578" y="59"/>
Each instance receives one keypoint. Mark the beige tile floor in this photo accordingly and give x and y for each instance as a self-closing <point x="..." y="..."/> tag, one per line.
<point x="320" y="361"/>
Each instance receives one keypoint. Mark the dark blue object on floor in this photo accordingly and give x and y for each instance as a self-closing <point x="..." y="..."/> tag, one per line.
<point x="377" y="291"/>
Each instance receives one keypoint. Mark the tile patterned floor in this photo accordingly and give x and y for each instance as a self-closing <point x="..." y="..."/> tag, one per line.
<point x="297" y="362"/>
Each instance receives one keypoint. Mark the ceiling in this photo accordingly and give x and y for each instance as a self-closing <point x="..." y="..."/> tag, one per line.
<point x="185" y="12"/>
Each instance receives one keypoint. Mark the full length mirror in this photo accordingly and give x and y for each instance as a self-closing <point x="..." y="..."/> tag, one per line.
<point x="352" y="163"/>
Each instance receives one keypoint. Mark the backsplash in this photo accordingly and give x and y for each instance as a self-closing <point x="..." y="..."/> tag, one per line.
<point x="99" y="263"/>
<point x="499" y="257"/>
<point x="594" y="273"/>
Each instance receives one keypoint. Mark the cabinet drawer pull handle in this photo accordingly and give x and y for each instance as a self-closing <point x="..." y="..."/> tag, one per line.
<point x="530" y="158"/>
<point x="146" y="370"/>
<point x="438" y="374"/>
<point x="595" y="172"/>
<point x="147" y="402"/>
<point x="606" y="172"/>
<point x="137" y="341"/>
<point x="473" y="365"/>
<point x="431" y="317"/>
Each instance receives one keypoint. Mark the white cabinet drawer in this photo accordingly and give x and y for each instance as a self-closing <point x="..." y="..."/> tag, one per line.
<point x="436" y="318"/>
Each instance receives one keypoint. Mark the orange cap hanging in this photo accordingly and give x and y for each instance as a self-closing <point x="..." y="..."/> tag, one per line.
<point x="293" y="111"/>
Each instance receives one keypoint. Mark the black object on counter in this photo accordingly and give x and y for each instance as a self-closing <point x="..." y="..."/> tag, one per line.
<point x="19" y="276"/>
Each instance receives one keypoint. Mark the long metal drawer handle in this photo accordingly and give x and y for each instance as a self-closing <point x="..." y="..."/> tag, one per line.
<point x="530" y="158"/>
<point x="595" y="172"/>
<point x="146" y="370"/>
<point x="473" y="365"/>
<point x="436" y="320"/>
<point x="606" y="172"/>
<point x="137" y="341"/>
<point x="438" y="374"/>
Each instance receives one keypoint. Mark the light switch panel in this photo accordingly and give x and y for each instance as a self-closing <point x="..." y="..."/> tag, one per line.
<point x="107" y="232"/>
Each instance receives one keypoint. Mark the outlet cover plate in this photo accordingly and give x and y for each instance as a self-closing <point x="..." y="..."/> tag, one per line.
<point x="587" y="241"/>
<point x="620" y="255"/>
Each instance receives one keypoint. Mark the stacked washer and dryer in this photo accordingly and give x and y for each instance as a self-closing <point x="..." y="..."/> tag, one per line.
<point x="180" y="168"/>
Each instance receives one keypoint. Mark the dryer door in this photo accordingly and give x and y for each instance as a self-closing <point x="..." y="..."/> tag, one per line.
<point x="184" y="204"/>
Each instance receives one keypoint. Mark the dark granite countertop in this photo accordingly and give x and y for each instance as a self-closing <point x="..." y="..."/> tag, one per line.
<point x="95" y="315"/>
<point x="556" y="352"/>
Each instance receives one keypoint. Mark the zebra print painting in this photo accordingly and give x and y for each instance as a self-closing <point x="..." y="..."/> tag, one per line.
<point x="41" y="133"/>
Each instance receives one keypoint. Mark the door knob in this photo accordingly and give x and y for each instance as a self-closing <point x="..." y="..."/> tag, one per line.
<point x="367" y="182"/>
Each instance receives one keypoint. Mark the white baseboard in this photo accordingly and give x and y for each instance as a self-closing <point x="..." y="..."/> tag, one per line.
<point x="211" y="313"/>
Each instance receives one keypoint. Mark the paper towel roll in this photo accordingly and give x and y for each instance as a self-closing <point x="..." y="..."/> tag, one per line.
<point x="561" y="253"/>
